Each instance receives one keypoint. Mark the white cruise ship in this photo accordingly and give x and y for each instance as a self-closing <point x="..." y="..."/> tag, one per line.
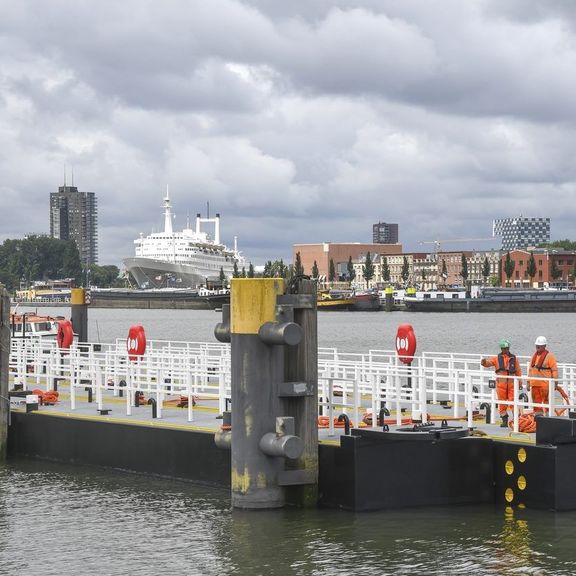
<point x="185" y="259"/>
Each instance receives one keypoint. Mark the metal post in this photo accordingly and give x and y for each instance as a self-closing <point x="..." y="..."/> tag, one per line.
<point x="79" y="313"/>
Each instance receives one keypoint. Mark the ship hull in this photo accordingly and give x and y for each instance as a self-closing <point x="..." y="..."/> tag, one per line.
<point x="150" y="273"/>
<point x="512" y="302"/>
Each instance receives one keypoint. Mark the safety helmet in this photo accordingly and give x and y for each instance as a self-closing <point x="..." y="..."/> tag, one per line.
<point x="541" y="341"/>
<point x="504" y="343"/>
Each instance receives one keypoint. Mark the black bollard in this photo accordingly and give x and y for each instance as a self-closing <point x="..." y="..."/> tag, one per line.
<point x="344" y="418"/>
<point x="152" y="401"/>
<point x="121" y="384"/>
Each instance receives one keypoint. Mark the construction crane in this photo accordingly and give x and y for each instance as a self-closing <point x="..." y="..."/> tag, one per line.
<point x="438" y="243"/>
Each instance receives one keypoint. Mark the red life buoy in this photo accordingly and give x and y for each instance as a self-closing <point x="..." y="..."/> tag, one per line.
<point x="405" y="343"/>
<point x="136" y="342"/>
<point x="65" y="335"/>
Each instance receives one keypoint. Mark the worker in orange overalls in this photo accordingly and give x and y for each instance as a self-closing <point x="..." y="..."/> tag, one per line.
<point x="507" y="367"/>
<point x="543" y="365"/>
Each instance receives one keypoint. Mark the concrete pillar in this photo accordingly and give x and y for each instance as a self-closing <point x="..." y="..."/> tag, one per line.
<point x="301" y="367"/>
<point x="256" y="370"/>
<point x="4" y="359"/>
<point x="79" y="313"/>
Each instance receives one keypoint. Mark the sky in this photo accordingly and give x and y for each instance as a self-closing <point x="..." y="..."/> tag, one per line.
<point x="299" y="121"/>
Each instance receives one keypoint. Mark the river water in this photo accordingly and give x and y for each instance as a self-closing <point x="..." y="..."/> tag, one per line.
<point x="62" y="520"/>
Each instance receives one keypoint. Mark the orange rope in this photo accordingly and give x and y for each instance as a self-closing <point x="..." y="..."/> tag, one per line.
<point x="565" y="397"/>
<point x="526" y="422"/>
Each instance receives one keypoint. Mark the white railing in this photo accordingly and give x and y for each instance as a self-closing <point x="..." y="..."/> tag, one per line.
<point x="348" y="383"/>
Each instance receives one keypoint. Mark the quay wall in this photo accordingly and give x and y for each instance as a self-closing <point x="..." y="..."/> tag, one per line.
<point x="165" y="452"/>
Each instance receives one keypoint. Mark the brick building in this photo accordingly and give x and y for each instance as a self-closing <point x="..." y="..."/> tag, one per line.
<point x="339" y="253"/>
<point x="552" y="267"/>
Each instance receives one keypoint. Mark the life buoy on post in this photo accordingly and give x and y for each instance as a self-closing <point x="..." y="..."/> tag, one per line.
<point x="136" y="342"/>
<point x="406" y="343"/>
<point x="65" y="335"/>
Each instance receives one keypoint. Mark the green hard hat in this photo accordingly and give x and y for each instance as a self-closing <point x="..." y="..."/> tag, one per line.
<point x="504" y="343"/>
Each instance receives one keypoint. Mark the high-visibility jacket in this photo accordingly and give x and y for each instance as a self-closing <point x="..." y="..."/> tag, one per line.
<point x="506" y="365"/>
<point x="542" y="365"/>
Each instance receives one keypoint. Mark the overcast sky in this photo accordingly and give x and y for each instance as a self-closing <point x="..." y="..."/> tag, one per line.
<point x="299" y="121"/>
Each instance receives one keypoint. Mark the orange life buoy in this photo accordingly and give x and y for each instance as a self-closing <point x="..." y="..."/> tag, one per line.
<point x="136" y="342"/>
<point x="65" y="335"/>
<point x="405" y="343"/>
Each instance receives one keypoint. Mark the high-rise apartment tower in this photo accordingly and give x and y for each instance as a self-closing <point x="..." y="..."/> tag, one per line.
<point x="522" y="232"/>
<point x="74" y="216"/>
<point x="383" y="233"/>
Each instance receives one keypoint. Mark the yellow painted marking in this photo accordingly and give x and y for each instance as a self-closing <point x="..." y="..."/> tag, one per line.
<point x="509" y="467"/>
<point x="521" y="482"/>
<point x="509" y="494"/>
<point x="522" y="455"/>
<point x="253" y="303"/>
<point x="522" y="506"/>
<point x="77" y="296"/>
<point x="240" y="481"/>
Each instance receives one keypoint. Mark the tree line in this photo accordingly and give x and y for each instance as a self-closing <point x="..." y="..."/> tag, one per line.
<point x="41" y="258"/>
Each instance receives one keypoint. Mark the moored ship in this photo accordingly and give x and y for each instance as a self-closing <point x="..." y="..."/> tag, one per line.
<point x="497" y="300"/>
<point x="183" y="259"/>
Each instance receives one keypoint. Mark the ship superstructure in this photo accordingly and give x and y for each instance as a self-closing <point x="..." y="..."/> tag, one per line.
<point x="186" y="259"/>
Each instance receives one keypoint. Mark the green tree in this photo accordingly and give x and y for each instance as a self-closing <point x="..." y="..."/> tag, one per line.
<point x="104" y="276"/>
<point x="235" y="271"/>
<point x="464" y="269"/>
<point x="350" y="270"/>
<point x="39" y="258"/>
<point x="561" y="244"/>
<point x="222" y="276"/>
<point x="385" y="273"/>
<point x="555" y="272"/>
<point x="243" y="272"/>
<point x="444" y="272"/>
<point x="331" y="271"/>
<point x="315" y="270"/>
<point x="423" y="275"/>
<point x="298" y="268"/>
<point x="486" y="269"/>
<point x="251" y="270"/>
<point x="267" y="273"/>
<point x="509" y="266"/>
<point x="531" y="268"/>
<point x="368" y="269"/>
<point x="405" y="273"/>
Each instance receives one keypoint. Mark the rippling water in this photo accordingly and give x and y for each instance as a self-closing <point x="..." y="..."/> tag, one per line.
<point x="58" y="520"/>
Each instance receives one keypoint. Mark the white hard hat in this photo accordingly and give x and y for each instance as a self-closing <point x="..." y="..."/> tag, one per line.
<point x="541" y="341"/>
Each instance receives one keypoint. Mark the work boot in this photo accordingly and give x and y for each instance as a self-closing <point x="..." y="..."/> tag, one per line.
<point x="504" y="423"/>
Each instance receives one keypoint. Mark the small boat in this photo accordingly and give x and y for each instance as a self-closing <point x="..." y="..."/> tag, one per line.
<point x="33" y="325"/>
<point x="335" y="300"/>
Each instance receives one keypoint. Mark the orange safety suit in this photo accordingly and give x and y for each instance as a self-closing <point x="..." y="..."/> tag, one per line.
<point x="506" y="364"/>
<point x="544" y="365"/>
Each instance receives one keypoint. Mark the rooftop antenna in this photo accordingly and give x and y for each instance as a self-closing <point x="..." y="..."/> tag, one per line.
<point x="64" y="175"/>
<point x="72" y="176"/>
<point x="207" y="209"/>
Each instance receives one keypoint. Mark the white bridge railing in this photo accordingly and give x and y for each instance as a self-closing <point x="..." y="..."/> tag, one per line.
<point x="348" y="383"/>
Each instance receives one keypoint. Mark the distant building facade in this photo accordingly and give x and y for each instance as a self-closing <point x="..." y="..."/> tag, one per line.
<point x="553" y="267"/>
<point x="74" y="216"/>
<point x="518" y="233"/>
<point x="339" y="253"/>
<point x="384" y="233"/>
